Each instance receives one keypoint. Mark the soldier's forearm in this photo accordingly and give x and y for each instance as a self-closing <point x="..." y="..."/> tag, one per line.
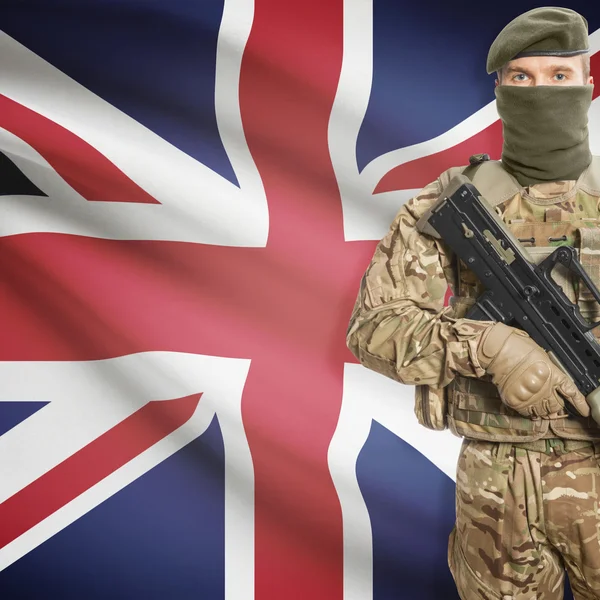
<point x="414" y="346"/>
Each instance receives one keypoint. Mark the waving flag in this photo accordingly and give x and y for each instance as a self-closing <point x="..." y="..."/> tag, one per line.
<point x="190" y="194"/>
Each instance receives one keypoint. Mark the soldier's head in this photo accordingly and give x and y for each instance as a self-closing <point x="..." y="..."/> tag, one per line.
<point x="544" y="46"/>
<point x="543" y="94"/>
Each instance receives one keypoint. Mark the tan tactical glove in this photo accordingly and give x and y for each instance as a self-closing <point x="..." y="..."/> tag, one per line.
<point x="527" y="379"/>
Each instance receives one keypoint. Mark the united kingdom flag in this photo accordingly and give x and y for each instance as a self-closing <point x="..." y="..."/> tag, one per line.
<point x="189" y="195"/>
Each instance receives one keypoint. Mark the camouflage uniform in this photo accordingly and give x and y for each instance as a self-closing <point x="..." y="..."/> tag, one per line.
<point x="527" y="502"/>
<point x="522" y="516"/>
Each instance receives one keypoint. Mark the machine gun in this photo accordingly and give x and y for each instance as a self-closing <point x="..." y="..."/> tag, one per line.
<point x="519" y="292"/>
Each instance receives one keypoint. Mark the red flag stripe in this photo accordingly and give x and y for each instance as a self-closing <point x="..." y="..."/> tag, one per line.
<point x="92" y="464"/>
<point x="85" y="169"/>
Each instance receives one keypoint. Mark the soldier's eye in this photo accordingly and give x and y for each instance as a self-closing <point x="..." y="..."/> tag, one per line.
<point x="560" y="76"/>
<point x="520" y="77"/>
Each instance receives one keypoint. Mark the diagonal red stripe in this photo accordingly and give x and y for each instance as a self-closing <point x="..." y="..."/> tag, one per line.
<point x="85" y="169"/>
<point x="92" y="464"/>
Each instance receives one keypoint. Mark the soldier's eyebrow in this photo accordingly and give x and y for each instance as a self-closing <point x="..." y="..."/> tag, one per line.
<point x="562" y="68"/>
<point x="510" y="70"/>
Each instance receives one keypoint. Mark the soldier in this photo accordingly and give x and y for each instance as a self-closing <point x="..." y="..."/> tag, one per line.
<point x="528" y="476"/>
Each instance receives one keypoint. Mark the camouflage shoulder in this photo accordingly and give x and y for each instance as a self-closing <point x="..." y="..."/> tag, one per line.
<point x="428" y="196"/>
<point x="448" y="174"/>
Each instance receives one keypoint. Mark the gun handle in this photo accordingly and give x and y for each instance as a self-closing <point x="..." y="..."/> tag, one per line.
<point x="593" y="399"/>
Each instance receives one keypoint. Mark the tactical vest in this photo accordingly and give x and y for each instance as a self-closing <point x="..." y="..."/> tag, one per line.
<point x="471" y="407"/>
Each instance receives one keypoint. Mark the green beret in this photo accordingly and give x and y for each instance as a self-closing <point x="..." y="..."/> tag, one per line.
<point x="547" y="31"/>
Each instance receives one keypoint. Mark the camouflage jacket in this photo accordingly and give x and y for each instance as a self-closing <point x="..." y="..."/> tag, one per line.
<point x="402" y="326"/>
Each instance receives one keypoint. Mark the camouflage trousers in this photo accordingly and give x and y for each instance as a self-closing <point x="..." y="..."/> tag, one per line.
<point x="523" y="517"/>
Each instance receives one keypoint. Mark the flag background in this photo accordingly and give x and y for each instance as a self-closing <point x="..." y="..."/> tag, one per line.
<point x="190" y="194"/>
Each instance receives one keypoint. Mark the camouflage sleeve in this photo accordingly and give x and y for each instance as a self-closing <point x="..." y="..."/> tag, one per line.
<point x="399" y="326"/>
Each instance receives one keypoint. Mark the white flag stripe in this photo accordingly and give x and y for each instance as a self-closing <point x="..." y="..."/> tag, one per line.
<point x="88" y="398"/>
<point x="392" y="405"/>
<point x="197" y="204"/>
<point x="368" y="397"/>
<point x="351" y="433"/>
<point x="39" y="172"/>
<point x="348" y="112"/>
<point x="106" y="488"/>
<point x="594" y="127"/>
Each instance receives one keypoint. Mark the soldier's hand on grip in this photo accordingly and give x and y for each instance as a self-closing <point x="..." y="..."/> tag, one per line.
<point x="527" y="379"/>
